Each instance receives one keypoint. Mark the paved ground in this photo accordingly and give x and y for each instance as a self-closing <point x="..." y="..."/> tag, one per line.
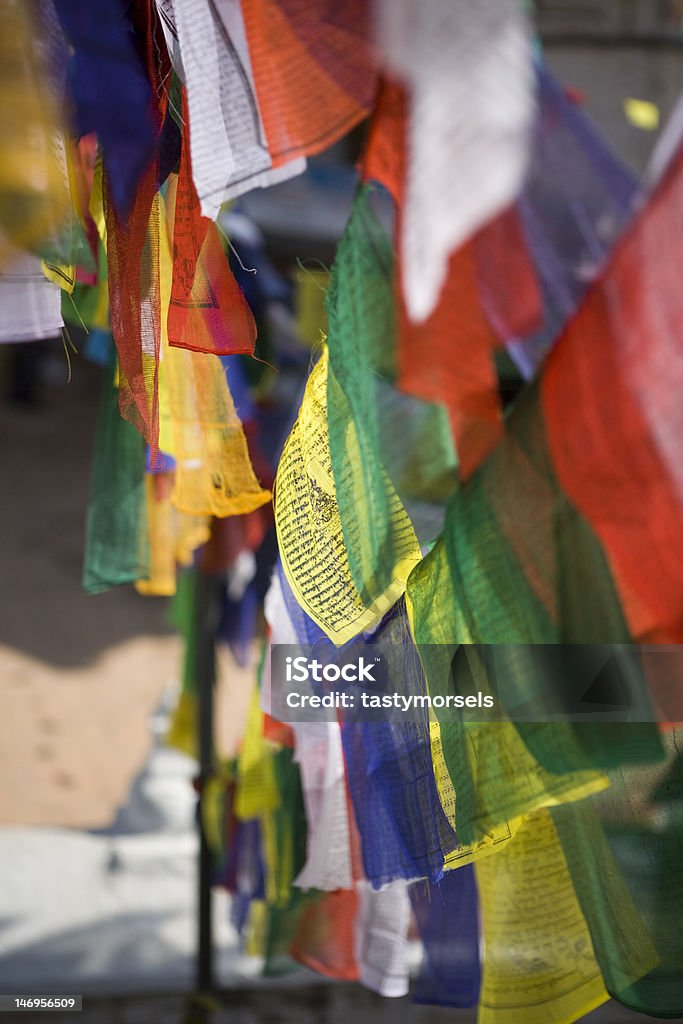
<point x="79" y="675"/>
<point x="97" y="842"/>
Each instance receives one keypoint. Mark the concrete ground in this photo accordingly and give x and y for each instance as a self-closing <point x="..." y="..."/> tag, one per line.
<point x="97" y="839"/>
<point x="79" y="674"/>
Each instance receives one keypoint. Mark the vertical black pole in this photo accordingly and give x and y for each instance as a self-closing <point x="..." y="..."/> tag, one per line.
<point x="207" y="607"/>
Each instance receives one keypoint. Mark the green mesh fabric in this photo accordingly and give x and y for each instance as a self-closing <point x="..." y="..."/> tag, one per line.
<point x="387" y="449"/>
<point x="89" y="304"/>
<point x="290" y="821"/>
<point x="494" y="775"/>
<point x="281" y="925"/>
<point x="290" y="829"/>
<point x="518" y="565"/>
<point x="417" y="451"/>
<point x="184" y="620"/>
<point x="623" y="850"/>
<point x="528" y="569"/>
<point x="68" y="246"/>
<point x="116" y="548"/>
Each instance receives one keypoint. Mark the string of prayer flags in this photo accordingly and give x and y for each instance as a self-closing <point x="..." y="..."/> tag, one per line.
<point x="473" y="421"/>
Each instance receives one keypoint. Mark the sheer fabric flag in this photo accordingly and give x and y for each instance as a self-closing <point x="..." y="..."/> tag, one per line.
<point x="34" y="196"/>
<point x="382" y="939"/>
<point x="449" y="358"/>
<point x="30" y="305"/>
<point x="324" y="939"/>
<point x="655" y="843"/>
<point x="132" y="240"/>
<point x="385" y="148"/>
<point x="469" y="76"/>
<point x="207" y="310"/>
<point x="577" y="198"/>
<point x="526" y="568"/>
<point x="447" y="918"/>
<point x="635" y="310"/>
<point x="379" y="538"/>
<point x="314" y="71"/>
<point x="133" y="279"/>
<point x="495" y="777"/>
<point x="403" y="829"/>
<point x="116" y="543"/>
<point x="622" y="852"/>
<point x="549" y="971"/>
<point x="214" y="475"/>
<point x="230" y="156"/>
<point x="318" y="751"/>
<point x="306" y="630"/>
<point x="201" y="429"/>
<point x="173" y="537"/>
<point x="111" y="90"/>
<point x="310" y="536"/>
<point x="381" y="440"/>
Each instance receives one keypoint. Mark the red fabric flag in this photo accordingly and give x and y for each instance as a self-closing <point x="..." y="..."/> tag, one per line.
<point x="612" y="397"/>
<point x="314" y="71"/>
<point x="207" y="311"/>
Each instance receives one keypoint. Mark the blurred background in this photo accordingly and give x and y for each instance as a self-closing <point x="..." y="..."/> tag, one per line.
<point x="98" y="844"/>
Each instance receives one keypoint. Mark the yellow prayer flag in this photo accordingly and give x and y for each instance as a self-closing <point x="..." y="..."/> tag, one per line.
<point x="539" y="964"/>
<point x="309" y="528"/>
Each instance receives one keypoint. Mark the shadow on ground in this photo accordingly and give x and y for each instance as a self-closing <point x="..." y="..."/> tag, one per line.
<point x="46" y="451"/>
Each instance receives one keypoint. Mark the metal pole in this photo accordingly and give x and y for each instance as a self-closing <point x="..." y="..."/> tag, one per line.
<point x="206" y="621"/>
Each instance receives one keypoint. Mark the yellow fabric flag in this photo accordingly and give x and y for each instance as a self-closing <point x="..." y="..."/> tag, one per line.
<point x="256" y="928"/>
<point x="467" y="853"/>
<point x="539" y="965"/>
<point x="257" y="792"/>
<point x="494" y="777"/>
<point x="199" y="425"/>
<point x="182" y="732"/>
<point x="61" y="274"/>
<point x="34" y="194"/>
<point x="309" y="527"/>
<point x="173" y="537"/>
<point x="310" y="287"/>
